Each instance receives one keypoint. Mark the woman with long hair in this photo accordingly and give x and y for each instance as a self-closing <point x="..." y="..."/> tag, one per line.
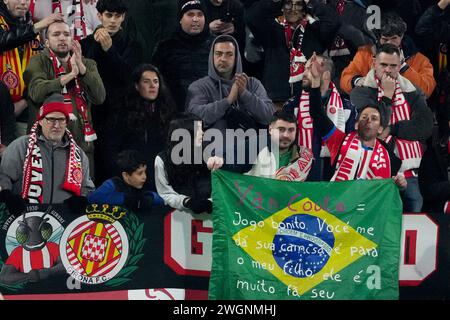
<point x="181" y="177"/>
<point x="144" y="115"/>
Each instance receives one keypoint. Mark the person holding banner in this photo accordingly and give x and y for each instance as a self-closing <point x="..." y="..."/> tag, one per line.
<point x="279" y="158"/>
<point x="47" y="166"/>
<point x="410" y="119"/>
<point x="359" y="154"/>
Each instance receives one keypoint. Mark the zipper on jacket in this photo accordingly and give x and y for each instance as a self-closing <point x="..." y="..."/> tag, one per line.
<point x="53" y="174"/>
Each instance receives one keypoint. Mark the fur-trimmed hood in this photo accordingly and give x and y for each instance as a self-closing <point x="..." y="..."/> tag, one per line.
<point x="405" y="84"/>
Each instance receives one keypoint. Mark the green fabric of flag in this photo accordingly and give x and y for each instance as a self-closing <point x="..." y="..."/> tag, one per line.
<point x="294" y="240"/>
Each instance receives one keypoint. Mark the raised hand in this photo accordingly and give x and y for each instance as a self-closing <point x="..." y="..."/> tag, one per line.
<point x="74" y="66"/>
<point x="44" y="23"/>
<point x="104" y="38"/>
<point x="234" y="93"/>
<point x="214" y="163"/>
<point x="313" y="66"/>
<point x="388" y="85"/>
<point x="77" y="54"/>
<point x="241" y="80"/>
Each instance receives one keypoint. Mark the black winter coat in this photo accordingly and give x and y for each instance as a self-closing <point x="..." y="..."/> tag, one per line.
<point x="182" y="59"/>
<point x="115" y="67"/>
<point x="236" y="11"/>
<point x="433" y="178"/>
<point x="318" y="36"/>
<point x="196" y="181"/>
<point x="19" y="33"/>
<point x="7" y="119"/>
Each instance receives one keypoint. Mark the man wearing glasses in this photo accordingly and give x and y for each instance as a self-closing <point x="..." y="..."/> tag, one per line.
<point x="47" y="166"/>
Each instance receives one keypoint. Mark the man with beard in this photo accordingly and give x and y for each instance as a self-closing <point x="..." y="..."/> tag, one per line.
<point x="411" y="121"/>
<point x="299" y="106"/>
<point x="280" y="158"/>
<point x="227" y="91"/>
<point x="56" y="70"/>
<point x="360" y="154"/>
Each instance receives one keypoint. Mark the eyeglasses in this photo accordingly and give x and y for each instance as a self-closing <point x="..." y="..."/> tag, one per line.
<point x="53" y="121"/>
<point x="289" y="5"/>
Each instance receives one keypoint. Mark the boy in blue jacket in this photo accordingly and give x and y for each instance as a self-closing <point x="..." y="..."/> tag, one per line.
<point x="127" y="190"/>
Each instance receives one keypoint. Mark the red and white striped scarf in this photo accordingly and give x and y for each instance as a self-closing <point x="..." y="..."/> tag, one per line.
<point x="78" y="94"/>
<point x="33" y="183"/>
<point x="75" y="19"/>
<point x="339" y="47"/>
<point x="299" y="169"/>
<point x="410" y="152"/>
<point x="305" y="129"/>
<point x="356" y="162"/>
<point x="296" y="56"/>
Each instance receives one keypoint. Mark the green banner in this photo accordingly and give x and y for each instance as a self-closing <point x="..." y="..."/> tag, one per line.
<point x="287" y="240"/>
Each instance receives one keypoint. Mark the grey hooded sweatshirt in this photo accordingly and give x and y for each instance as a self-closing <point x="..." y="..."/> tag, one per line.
<point x="207" y="97"/>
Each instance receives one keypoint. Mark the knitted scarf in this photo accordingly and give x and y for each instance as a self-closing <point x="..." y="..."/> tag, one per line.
<point x="356" y="162"/>
<point x="294" y="41"/>
<point x="299" y="169"/>
<point x="339" y="47"/>
<point x="305" y="129"/>
<point x="410" y="152"/>
<point x="12" y="67"/>
<point x="32" y="184"/>
<point x="75" y="19"/>
<point x="76" y="92"/>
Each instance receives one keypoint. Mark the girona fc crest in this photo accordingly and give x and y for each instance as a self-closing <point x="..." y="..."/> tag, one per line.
<point x="10" y="79"/>
<point x="96" y="247"/>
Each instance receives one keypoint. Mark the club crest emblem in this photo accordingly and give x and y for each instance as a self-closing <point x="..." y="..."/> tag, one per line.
<point x="96" y="245"/>
<point x="10" y="79"/>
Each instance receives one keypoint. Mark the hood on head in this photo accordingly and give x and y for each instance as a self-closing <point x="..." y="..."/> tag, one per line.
<point x="238" y="65"/>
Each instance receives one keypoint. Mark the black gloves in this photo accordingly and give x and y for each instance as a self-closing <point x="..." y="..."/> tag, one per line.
<point x="77" y="204"/>
<point x="15" y="204"/>
<point x="198" y="205"/>
<point x="139" y="202"/>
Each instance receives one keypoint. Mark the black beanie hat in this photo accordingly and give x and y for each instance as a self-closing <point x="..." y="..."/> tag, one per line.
<point x="186" y="5"/>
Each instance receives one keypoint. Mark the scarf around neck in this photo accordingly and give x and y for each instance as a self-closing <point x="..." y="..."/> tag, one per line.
<point x="357" y="162"/>
<point x="78" y="94"/>
<point x="294" y="42"/>
<point x="335" y="112"/>
<point x="410" y="152"/>
<point x="33" y="183"/>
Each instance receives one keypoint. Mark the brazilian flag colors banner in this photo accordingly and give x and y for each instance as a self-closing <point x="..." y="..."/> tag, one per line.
<point x="287" y="240"/>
